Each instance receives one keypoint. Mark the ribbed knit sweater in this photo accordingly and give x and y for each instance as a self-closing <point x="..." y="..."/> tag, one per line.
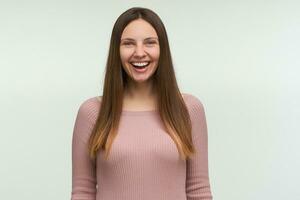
<point x="144" y="163"/>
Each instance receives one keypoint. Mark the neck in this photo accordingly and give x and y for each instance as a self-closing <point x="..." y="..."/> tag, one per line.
<point x="143" y="90"/>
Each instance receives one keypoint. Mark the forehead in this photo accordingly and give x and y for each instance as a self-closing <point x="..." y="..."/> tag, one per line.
<point x="138" y="29"/>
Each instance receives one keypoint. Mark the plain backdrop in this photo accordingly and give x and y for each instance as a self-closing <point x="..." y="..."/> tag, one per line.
<point x="240" y="58"/>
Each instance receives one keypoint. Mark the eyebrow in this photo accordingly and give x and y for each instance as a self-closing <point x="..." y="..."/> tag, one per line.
<point x="131" y="39"/>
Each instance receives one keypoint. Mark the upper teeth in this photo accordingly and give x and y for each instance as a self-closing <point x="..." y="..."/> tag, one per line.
<point x="141" y="64"/>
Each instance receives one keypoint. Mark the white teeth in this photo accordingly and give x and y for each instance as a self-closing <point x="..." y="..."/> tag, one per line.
<point x="141" y="64"/>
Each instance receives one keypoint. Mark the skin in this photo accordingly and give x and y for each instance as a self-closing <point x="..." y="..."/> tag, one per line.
<point x="143" y="46"/>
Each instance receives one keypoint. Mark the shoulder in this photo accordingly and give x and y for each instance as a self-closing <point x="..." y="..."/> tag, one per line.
<point x="192" y="101"/>
<point x="89" y="108"/>
<point x="195" y="106"/>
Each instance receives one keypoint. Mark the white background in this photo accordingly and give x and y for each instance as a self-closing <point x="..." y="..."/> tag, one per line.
<point x="240" y="58"/>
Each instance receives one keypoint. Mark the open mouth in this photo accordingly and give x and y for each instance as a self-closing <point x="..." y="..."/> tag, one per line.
<point x="140" y="65"/>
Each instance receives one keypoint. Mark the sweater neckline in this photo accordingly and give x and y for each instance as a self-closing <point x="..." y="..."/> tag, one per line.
<point x="141" y="112"/>
<point x="135" y="112"/>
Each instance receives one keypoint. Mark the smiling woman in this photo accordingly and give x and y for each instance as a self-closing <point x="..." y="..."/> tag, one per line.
<point x="142" y="132"/>
<point x="139" y="50"/>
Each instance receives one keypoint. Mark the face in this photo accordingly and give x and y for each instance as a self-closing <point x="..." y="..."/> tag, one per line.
<point x="139" y="50"/>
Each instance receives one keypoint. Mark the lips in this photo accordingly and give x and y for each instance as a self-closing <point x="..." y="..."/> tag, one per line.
<point x="139" y="67"/>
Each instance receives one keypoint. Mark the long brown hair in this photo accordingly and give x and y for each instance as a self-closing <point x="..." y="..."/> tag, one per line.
<point x="170" y="103"/>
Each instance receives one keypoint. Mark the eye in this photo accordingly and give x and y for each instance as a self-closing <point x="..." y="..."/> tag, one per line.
<point x="150" y="43"/>
<point x="127" y="43"/>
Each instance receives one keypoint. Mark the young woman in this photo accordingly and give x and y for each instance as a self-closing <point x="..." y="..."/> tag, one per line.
<point x="142" y="139"/>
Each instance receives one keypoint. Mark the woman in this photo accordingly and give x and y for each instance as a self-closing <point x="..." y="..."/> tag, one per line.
<point x="142" y="139"/>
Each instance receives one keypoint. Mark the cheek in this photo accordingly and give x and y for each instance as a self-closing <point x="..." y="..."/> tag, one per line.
<point x="154" y="53"/>
<point x="125" y="54"/>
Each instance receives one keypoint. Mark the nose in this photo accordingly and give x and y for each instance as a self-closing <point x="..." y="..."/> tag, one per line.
<point x="139" y="51"/>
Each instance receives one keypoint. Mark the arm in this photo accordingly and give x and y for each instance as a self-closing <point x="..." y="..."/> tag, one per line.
<point x="197" y="176"/>
<point x="83" y="169"/>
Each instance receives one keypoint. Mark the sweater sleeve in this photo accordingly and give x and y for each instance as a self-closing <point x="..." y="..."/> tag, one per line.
<point x="197" y="175"/>
<point x="83" y="169"/>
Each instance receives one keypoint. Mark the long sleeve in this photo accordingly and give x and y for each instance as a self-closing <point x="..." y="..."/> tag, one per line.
<point x="83" y="169"/>
<point x="197" y="174"/>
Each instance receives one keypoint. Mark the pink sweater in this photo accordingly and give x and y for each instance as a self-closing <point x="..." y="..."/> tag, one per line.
<point x="144" y="163"/>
